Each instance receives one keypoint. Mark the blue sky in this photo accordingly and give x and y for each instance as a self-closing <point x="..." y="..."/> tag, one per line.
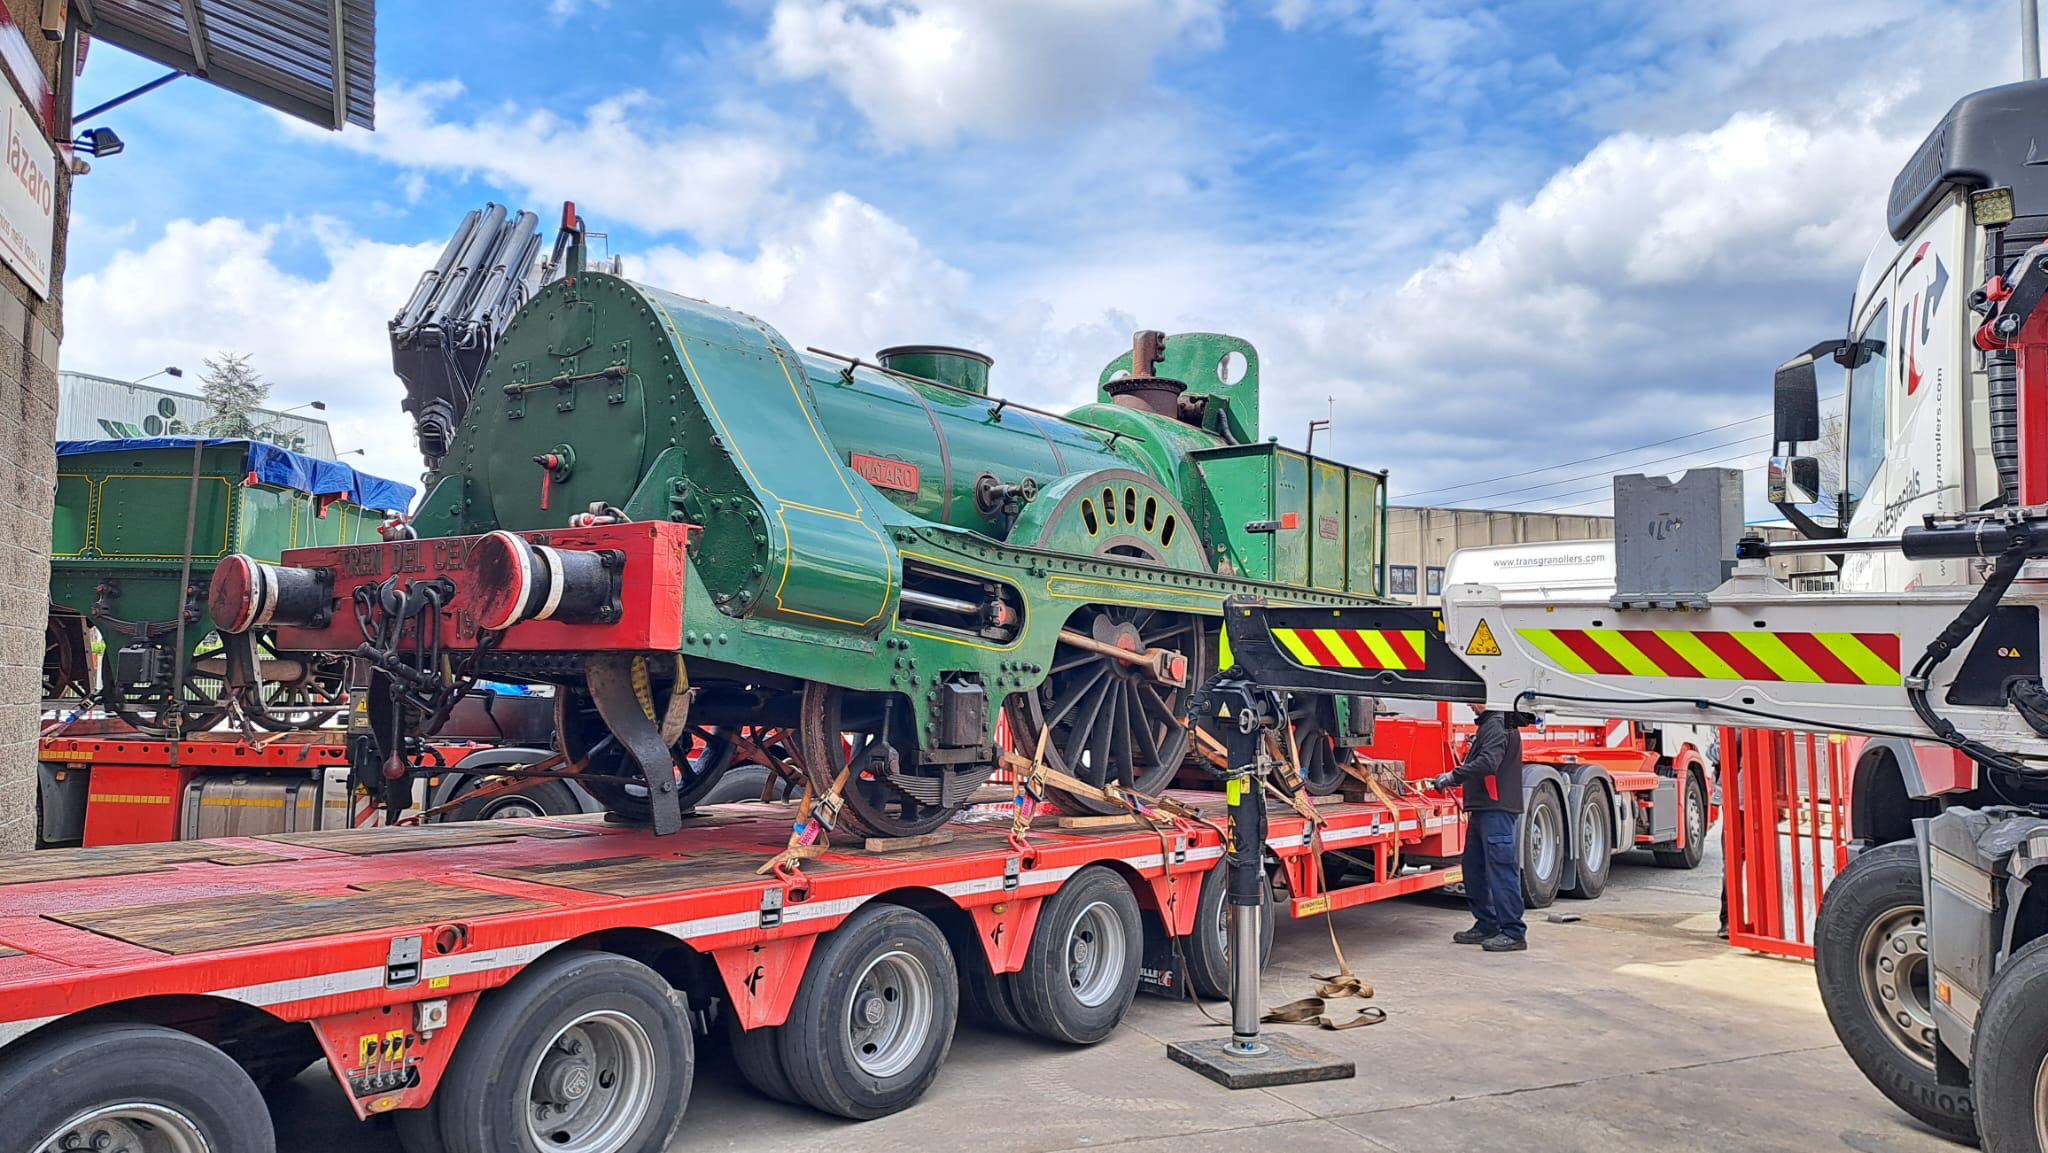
<point x="1496" y="236"/>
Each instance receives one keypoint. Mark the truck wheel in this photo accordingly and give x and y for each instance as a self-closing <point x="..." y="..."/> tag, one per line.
<point x="584" y="1050"/>
<point x="1695" y="818"/>
<point x="1595" y="844"/>
<point x="537" y="799"/>
<point x="757" y="1053"/>
<point x="985" y="994"/>
<point x="1542" y="845"/>
<point x="1081" y="968"/>
<point x="143" y="1088"/>
<point x="1870" y="959"/>
<point x="874" y="1016"/>
<point x="1207" y="949"/>
<point x="2009" y="1061"/>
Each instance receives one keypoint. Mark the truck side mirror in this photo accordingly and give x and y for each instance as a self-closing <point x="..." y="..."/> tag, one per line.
<point x="1793" y="480"/>
<point x="1795" y="410"/>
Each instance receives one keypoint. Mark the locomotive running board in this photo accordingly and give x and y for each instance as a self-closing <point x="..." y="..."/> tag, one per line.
<point x="1391" y="651"/>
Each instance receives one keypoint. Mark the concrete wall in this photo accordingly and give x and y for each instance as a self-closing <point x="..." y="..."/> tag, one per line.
<point x="30" y="329"/>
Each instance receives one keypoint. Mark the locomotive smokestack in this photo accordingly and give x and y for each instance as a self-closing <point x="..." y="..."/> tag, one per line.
<point x="1141" y="390"/>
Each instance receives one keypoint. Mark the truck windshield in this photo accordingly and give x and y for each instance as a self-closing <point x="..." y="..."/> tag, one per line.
<point x="1864" y="438"/>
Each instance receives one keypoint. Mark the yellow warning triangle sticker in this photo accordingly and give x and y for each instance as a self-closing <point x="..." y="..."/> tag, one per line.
<point x="1482" y="643"/>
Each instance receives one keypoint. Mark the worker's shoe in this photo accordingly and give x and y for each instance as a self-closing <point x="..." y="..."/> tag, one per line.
<point x="1472" y="936"/>
<point x="1503" y="944"/>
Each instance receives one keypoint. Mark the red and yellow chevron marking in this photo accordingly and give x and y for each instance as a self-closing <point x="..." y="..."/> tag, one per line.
<point x="1811" y="658"/>
<point x="1399" y="649"/>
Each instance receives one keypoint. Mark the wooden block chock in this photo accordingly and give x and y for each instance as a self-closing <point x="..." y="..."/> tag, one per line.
<point x="1112" y="821"/>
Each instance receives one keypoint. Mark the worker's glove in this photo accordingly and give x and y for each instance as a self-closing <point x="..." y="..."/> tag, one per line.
<point x="1443" y="783"/>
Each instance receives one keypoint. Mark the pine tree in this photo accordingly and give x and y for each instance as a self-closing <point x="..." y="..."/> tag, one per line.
<point x="236" y="391"/>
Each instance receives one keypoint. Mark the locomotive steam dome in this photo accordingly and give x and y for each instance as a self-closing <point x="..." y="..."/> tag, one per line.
<point x="961" y="368"/>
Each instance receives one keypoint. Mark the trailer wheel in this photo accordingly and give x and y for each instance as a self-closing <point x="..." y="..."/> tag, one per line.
<point x="757" y="1053"/>
<point x="584" y="1051"/>
<point x="1695" y="818"/>
<point x="1208" y="948"/>
<point x="985" y="994"/>
<point x="1081" y="967"/>
<point x="143" y="1088"/>
<point x="2009" y="1059"/>
<point x="1870" y="959"/>
<point x="1595" y="844"/>
<point x="874" y="1016"/>
<point x="1543" y="846"/>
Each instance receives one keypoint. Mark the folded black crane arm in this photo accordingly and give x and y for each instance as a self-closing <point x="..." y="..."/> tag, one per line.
<point x="1381" y="651"/>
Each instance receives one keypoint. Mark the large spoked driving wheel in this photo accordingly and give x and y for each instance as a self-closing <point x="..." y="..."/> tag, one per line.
<point x="702" y="755"/>
<point x="67" y="658"/>
<point x="1113" y="719"/>
<point x="147" y="707"/>
<point x="872" y="737"/>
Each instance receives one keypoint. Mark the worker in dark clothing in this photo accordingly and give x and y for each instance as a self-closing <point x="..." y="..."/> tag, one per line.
<point x="1491" y="778"/>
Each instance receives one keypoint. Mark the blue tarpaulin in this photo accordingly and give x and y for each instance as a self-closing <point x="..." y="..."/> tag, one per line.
<point x="278" y="466"/>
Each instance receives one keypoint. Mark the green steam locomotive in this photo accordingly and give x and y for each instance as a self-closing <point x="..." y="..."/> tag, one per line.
<point x="666" y="510"/>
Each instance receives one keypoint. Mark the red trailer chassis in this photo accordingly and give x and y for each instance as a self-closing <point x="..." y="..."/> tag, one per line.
<point x="383" y="940"/>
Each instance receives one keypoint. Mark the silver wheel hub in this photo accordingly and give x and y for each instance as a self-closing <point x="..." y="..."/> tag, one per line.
<point x="1895" y="976"/>
<point x="890" y="1014"/>
<point x="1095" y="954"/>
<point x="1543" y="841"/>
<point x="132" y="1128"/>
<point x="593" y="1084"/>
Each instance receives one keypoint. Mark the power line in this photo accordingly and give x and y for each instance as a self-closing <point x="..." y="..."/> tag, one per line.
<point x="1588" y="460"/>
<point x="1639" y="464"/>
<point x="1512" y="509"/>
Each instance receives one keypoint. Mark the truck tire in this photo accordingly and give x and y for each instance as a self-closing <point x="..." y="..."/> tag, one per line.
<point x="537" y="799"/>
<point x="1542" y="844"/>
<point x="1593" y="845"/>
<point x="583" y="1049"/>
<point x="874" y="1016"/>
<point x="133" y="1087"/>
<point x="1693" y="815"/>
<point x="1207" y="948"/>
<point x="2009" y="1058"/>
<point x="985" y="994"/>
<point x="1081" y="966"/>
<point x="757" y="1053"/>
<point x="1870" y="959"/>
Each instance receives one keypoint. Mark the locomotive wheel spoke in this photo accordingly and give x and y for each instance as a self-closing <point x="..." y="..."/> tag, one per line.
<point x="1109" y="720"/>
<point x="1322" y="761"/>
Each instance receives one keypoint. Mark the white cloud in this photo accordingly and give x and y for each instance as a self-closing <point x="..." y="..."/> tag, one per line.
<point x="621" y="161"/>
<point x="204" y="287"/>
<point x="563" y="9"/>
<point x="924" y="72"/>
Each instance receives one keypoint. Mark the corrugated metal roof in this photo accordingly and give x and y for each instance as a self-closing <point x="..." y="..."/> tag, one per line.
<point x="282" y="53"/>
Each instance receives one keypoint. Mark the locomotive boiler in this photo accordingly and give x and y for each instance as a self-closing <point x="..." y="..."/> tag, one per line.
<point x="685" y="524"/>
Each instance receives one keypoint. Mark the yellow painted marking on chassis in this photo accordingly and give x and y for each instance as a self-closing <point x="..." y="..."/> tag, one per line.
<point x="128" y="799"/>
<point x="1857" y="655"/>
<point x="1781" y="660"/>
<point x="1338" y="649"/>
<point x="1622" y="649"/>
<point x="1698" y="655"/>
<point x="1545" y="641"/>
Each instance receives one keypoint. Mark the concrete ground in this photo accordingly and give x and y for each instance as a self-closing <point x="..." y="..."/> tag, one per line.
<point x="1629" y="1029"/>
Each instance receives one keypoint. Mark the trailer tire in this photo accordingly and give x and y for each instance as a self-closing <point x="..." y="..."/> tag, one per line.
<point x="985" y="994"/>
<point x="526" y="1046"/>
<point x="419" y="1130"/>
<point x="122" y="1080"/>
<point x="874" y="1015"/>
<point x="2010" y="1053"/>
<point x="757" y="1053"/>
<point x="1693" y="812"/>
<point x="1594" y="843"/>
<point x="1207" y="948"/>
<point x="1542" y="847"/>
<point x="1871" y="908"/>
<point x="1081" y="965"/>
